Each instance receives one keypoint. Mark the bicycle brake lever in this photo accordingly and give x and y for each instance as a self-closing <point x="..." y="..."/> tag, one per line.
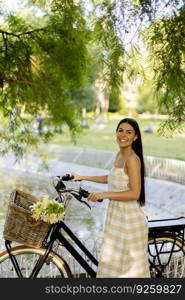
<point x="85" y="203"/>
<point x="78" y="197"/>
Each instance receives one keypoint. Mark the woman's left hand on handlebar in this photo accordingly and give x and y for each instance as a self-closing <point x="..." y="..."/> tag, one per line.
<point x="95" y="197"/>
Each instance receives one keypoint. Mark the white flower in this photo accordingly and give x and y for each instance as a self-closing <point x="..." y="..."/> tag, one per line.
<point x="48" y="210"/>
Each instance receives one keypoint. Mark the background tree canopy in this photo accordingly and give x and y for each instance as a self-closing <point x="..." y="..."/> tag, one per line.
<point x="52" y="52"/>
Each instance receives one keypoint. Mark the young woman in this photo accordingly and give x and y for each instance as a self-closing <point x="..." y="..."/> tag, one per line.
<point x="124" y="251"/>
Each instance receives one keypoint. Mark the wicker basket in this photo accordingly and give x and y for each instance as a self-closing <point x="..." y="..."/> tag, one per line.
<point x="19" y="225"/>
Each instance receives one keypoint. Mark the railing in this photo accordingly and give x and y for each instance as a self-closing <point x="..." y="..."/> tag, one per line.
<point x="167" y="169"/>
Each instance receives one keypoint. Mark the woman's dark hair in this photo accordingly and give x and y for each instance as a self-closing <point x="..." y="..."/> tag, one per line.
<point x="138" y="148"/>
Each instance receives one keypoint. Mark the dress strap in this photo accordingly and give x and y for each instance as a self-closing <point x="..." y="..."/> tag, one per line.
<point x="124" y="162"/>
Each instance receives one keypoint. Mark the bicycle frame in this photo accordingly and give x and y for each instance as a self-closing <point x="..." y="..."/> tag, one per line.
<point x="175" y="231"/>
<point x="74" y="252"/>
<point x="56" y="235"/>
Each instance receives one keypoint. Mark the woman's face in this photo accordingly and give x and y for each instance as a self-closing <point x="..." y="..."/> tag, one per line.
<point x="125" y="135"/>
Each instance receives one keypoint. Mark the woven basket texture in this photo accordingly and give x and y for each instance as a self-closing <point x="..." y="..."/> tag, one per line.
<point x="19" y="225"/>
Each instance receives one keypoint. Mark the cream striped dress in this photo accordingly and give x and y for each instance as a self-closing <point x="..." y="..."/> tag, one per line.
<point x="124" y="252"/>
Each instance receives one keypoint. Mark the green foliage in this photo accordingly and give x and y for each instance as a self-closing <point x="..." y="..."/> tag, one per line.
<point x="49" y="62"/>
<point x="38" y="69"/>
<point x="164" y="40"/>
<point x="84" y="97"/>
<point x="110" y="52"/>
<point x="115" y="101"/>
<point x="146" y="99"/>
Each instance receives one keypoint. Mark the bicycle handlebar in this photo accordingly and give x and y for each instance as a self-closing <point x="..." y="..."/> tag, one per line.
<point x="60" y="187"/>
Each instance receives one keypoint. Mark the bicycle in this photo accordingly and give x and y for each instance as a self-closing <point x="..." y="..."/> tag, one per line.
<point x="166" y="247"/>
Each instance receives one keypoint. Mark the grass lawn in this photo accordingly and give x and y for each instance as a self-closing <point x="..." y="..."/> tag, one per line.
<point x="104" y="139"/>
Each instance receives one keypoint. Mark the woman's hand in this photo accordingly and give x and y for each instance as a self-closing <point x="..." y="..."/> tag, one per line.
<point x="95" y="197"/>
<point x="76" y="177"/>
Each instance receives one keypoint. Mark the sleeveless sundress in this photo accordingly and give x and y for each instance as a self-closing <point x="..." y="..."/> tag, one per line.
<point x="124" y="251"/>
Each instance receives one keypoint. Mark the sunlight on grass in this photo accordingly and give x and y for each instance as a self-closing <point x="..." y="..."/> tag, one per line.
<point x="104" y="139"/>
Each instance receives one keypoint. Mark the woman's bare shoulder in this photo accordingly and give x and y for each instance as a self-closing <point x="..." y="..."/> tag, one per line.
<point x="133" y="159"/>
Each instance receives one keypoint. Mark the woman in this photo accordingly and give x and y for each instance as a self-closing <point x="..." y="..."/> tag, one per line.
<point x="124" y="251"/>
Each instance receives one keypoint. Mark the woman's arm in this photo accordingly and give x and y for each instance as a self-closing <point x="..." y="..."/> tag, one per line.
<point x="98" y="179"/>
<point x="133" y="193"/>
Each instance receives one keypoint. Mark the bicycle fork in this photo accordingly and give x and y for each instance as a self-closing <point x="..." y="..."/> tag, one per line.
<point x="13" y="259"/>
<point x="37" y="266"/>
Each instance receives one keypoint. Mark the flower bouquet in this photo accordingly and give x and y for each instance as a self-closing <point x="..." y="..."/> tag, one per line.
<point x="48" y="210"/>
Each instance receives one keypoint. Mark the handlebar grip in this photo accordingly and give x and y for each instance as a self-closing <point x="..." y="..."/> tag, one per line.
<point x="67" y="177"/>
<point x="85" y="194"/>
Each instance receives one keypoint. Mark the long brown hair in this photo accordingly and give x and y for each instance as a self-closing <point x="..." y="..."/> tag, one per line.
<point x="138" y="148"/>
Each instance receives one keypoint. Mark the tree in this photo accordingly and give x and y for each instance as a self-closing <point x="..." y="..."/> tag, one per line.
<point x="45" y="59"/>
<point x="164" y="40"/>
<point x="38" y="68"/>
<point x="41" y="67"/>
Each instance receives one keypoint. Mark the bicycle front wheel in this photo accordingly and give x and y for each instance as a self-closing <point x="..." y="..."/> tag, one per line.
<point x="168" y="255"/>
<point x="54" y="266"/>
